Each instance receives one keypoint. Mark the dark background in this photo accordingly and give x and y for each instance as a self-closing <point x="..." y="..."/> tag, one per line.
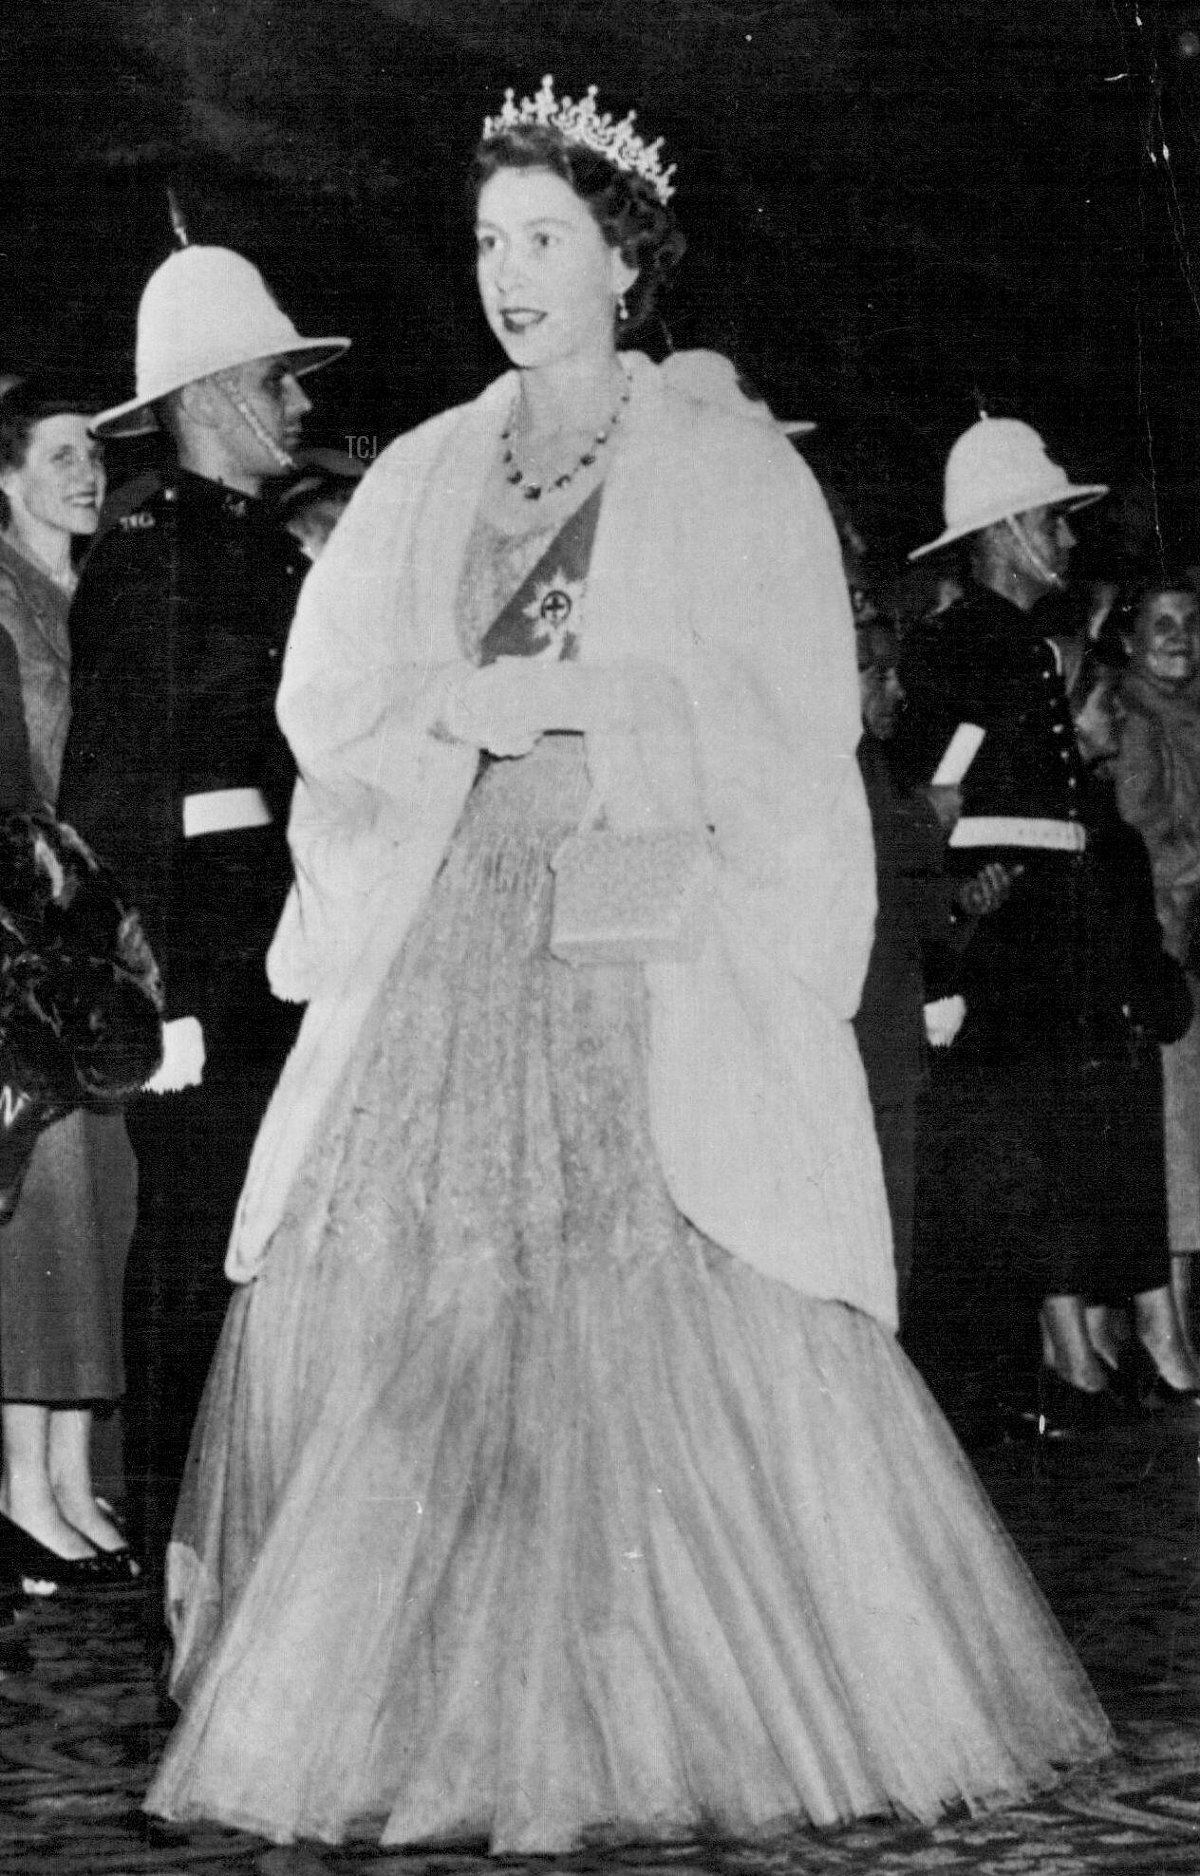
<point x="896" y="209"/>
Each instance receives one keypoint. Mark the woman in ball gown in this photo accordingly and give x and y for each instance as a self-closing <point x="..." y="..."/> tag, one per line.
<point x="559" y="1475"/>
<point x="61" y="1257"/>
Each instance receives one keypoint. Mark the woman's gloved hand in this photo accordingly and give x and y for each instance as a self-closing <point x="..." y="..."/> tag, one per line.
<point x="504" y="707"/>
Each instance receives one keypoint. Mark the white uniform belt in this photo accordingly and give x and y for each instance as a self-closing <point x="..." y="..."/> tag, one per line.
<point x="222" y="810"/>
<point x="1019" y="830"/>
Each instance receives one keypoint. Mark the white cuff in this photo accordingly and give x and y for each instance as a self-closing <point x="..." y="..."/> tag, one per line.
<point x="943" y="1020"/>
<point x="183" y="1057"/>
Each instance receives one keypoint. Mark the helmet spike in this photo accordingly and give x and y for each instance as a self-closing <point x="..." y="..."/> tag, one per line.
<point x="178" y="224"/>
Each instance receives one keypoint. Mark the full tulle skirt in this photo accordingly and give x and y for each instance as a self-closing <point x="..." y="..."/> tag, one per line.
<point x="519" y="1512"/>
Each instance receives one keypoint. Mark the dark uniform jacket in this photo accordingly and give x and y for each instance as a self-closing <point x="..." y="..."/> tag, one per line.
<point x="178" y="631"/>
<point x="981" y="661"/>
<point x="909" y="848"/>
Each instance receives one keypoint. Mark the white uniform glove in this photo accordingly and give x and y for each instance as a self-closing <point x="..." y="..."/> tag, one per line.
<point x="943" y="1020"/>
<point x="183" y="1057"/>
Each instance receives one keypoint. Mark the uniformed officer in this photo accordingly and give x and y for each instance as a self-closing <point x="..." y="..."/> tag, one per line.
<point x="1000" y="1240"/>
<point x="176" y="770"/>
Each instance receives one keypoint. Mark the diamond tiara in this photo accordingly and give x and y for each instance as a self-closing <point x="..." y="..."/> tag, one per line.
<point x="582" y="123"/>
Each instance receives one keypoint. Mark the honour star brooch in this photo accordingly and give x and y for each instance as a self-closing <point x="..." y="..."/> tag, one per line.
<point x="553" y="611"/>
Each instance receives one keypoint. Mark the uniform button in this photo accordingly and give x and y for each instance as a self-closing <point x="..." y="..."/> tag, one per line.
<point x="1059" y="729"/>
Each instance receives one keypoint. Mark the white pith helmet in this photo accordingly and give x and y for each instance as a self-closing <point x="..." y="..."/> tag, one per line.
<point x="999" y="469"/>
<point x="204" y="310"/>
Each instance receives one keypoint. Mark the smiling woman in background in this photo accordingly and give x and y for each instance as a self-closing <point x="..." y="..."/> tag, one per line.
<point x="60" y="1256"/>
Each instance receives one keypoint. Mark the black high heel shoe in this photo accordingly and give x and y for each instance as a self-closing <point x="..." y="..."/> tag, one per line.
<point x="43" y="1572"/>
<point x="1067" y="1412"/>
<point x="16" y="1656"/>
<point x="1154" y="1390"/>
<point x="1124" y="1377"/>
<point x="1166" y="1394"/>
<point x="124" y="1562"/>
<point x="119" y="1565"/>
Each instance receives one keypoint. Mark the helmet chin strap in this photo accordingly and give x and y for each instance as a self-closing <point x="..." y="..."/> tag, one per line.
<point x="257" y="428"/>
<point x="1037" y="561"/>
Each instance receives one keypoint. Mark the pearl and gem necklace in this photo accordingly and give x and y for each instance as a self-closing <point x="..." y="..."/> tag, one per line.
<point x="533" y="491"/>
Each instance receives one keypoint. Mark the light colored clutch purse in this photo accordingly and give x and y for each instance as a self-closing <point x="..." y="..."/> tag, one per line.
<point x="630" y="898"/>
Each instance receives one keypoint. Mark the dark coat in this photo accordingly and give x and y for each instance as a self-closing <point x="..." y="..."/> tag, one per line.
<point x="16" y="774"/>
<point x="33" y="615"/>
<point x="178" y="631"/>
<point x="1130" y="994"/>
<point x="909" y="847"/>
<point x="981" y="661"/>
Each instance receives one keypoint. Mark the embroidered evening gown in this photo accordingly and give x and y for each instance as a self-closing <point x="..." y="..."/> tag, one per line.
<point x="518" y="1511"/>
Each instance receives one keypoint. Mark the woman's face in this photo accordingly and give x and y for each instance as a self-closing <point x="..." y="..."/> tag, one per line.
<point x="548" y="279"/>
<point x="60" y="485"/>
<point x="1165" y="644"/>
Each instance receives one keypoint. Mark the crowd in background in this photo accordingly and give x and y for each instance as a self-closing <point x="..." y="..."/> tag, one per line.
<point x="1044" y="1191"/>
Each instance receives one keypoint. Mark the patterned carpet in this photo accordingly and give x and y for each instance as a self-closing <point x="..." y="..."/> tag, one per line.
<point x="1113" y="1533"/>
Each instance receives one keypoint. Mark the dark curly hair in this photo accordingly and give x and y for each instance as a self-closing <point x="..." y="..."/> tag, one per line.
<point x="1168" y="579"/>
<point x="624" y="207"/>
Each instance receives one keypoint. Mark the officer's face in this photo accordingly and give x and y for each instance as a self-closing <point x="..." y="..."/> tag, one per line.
<point x="266" y="410"/>
<point x="60" y="483"/>
<point x="880" y="690"/>
<point x="1046" y="538"/>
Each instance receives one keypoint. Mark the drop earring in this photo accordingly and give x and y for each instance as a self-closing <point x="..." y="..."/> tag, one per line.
<point x="622" y="309"/>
